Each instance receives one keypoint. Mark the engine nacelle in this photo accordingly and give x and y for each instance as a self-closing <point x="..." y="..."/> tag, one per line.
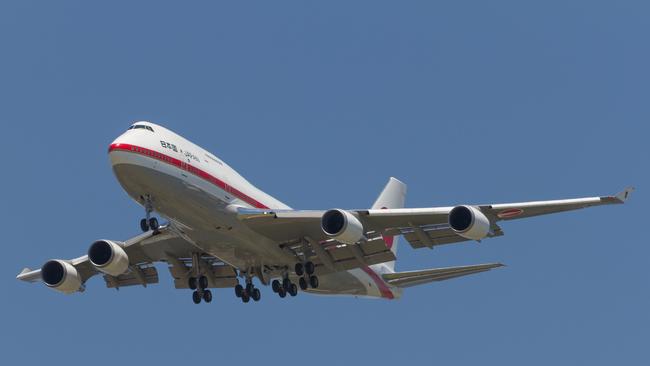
<point x="469" y="222"/>
<point x="108" y="257"/>
<point x="342" y="226"/>
<point x="61" y="276"/>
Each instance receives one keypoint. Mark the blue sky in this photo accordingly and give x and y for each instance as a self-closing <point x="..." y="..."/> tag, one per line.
<point x="318" y="104"/>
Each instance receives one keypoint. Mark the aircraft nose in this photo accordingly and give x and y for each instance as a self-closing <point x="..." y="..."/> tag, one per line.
<point x="113" y="150"/>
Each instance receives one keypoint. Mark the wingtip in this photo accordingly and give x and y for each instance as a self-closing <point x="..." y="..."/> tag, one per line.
<point x="23" y="272"/>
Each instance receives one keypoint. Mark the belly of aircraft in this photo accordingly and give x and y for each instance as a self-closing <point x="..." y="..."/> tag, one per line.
<point x="201" y="213"/>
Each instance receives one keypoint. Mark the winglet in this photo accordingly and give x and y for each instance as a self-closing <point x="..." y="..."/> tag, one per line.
<point x="624" y="195"/>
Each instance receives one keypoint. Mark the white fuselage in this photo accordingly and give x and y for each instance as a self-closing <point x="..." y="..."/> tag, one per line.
<point x="200" y="193"/>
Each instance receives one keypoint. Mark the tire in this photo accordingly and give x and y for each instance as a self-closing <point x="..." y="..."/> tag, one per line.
<point x="303" y="283"/>
<point x="286" y="284"/>
<point x="192" y="283"/>
<point x="299" y="269"/>
<point x="144" y="225"/>
<point x="294" y="290"/>
<point x="249" y="288"/>
<point x="313" y="282"/>
<point x="245" y="297"/>
<point x="256" y="295"/>
<point x="196" y="297"/>
<point x="275" y="286"/>
<point x="239" y="290"/>
<point x="282" y="292"/>
<point x="207" y="296"/>
<point x="203" y="282"/>
<point x="310" y="268"/>
<point x="153" y="224"/>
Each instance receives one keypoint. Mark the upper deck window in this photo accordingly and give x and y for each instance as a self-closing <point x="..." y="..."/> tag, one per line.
<point x="135" y="127"/>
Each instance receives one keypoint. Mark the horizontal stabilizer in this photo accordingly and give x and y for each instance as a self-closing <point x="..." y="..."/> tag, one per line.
<point x="624" y="195"/>
<point x="414" y="278"/>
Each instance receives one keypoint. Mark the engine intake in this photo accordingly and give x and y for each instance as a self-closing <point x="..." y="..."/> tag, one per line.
<point x="61" y="276"/>
<point x="469" y="222"/>
<point x="342" y="226"/>
<point x="108" y="257"/>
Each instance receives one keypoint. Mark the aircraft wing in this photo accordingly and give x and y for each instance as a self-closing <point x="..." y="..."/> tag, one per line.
<point x="421" y="227"/>
<point x="414" y="278"/>
<point x="168" y="245"/>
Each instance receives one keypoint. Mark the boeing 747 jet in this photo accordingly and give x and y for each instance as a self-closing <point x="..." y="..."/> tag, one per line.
<point x="223" y="232"/>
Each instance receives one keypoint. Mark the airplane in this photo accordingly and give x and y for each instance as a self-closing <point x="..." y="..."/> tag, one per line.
<point x="221" y="229"/>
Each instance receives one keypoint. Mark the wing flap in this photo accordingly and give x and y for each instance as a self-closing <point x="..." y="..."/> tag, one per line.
<point x="219" y="274"/>
<point x="414" y="278"/>
<point x="138" y="275"/>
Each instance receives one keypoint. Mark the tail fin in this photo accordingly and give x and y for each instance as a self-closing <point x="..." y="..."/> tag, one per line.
<point x="392" y="196"/>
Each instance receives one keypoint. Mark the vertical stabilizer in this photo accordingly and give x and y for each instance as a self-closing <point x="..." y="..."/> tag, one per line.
<point x="392" y="196"/>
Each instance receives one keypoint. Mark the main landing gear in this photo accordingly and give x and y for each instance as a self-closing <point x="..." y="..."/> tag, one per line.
<point x="249" y="292"/>
<point x="285" y="287"/>
<point x="200" y="286"/>
<point x="148" y="222"/>
<point x="307" y="276"/>
<point x="307" y="279"/>
<point x="198" y="282"/>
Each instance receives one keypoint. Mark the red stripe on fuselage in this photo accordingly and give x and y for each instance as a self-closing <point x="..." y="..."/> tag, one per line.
<point x="188" y="168"/>
<point x="381" y="285"/>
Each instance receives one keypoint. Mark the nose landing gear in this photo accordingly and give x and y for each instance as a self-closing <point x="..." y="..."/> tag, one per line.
<point x="148" y="222"/>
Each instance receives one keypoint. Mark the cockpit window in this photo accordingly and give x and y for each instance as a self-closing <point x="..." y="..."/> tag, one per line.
<point x="135" y="127"/>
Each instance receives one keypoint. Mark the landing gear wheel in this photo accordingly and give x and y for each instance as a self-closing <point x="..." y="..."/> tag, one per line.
<point x="303" y="283"/>
<point x="192" y="283"/>
<point x="275" y="286"/>
<point x="144" y="225"/>
<point x="207" y="296"/>
<point x="299" y="269"/>
<point x="245" y="297"/>
<point x="282" y="292"/>
<point x="310" y="268"/>
<point x="153" y="224"/>
<point x="203" y="282"/>
<point x="313" y="282"/>
<point x="239" y="290"/>
<point x="249" y="288"/>
<point x="256" y="295"/>
<point x="196" y="297"/>
<point x="293" y="291"/>
<point x="286" y="284"/>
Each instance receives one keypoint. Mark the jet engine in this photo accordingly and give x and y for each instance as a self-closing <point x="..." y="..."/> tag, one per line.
<point x="108" y="257"/>
<point x="469" y="222"/>
<point x="342" y="226"/>
<point x="61" y="276"/>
